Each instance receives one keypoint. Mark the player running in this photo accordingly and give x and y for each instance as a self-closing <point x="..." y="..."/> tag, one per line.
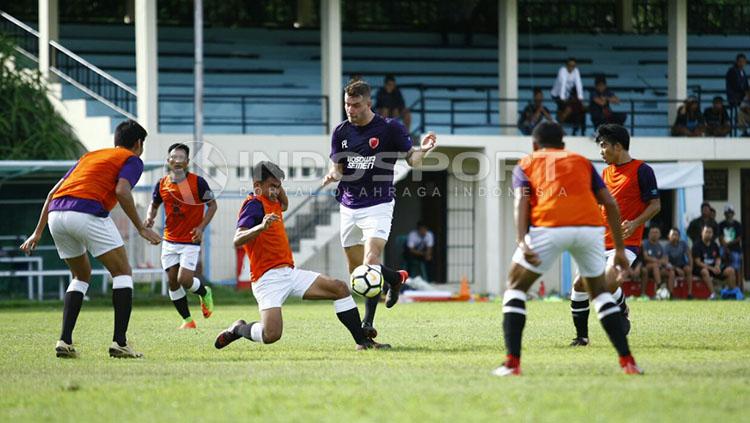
<point x="261" y="232"/>
<point x="632" y="184"/>
<point x="364" y="149"/>
<point x="78" y="209"/>
<point x="185" y="196"/>
<point x="556" y="194"/>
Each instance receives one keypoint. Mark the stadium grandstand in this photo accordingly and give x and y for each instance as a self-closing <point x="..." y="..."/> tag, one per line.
<point x="273" y="74"/>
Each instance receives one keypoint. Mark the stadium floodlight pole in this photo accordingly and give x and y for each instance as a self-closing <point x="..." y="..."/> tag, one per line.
<point x="198" y="89"/>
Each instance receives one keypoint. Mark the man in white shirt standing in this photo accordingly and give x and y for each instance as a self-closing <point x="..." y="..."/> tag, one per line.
<point x="419" y="247"/>
<point x="568" y="94"/>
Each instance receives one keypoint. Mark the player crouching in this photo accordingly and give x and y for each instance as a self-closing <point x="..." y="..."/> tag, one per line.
<point x="260" y="231"/>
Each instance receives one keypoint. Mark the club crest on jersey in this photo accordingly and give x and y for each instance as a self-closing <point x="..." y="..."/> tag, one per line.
<point x="374" y="142"/>
<point x="343" y="144"/>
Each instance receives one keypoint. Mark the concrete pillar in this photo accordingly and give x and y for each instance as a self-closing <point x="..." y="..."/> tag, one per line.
<point x="677" y="52"/>
<point x="146" y="64"/>
<point x="625" y="15"/>
<point x="507" y="53"/>
<point x="496" y="257"/>
<point x="330" y="59"/>
<point x="48" y="30"/>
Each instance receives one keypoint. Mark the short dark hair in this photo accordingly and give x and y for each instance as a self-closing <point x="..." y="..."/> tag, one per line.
<point x="537" y="90"/>
<point x="719" y="99"/>
<point x="128" y="133"/>
<point x="600" y="78"/>
<point x="570" y="59"/>
<point x="388" y="78"/>
<point x="265" y="169"/>
<point x="421" y="224"/>
<point x="548" y="134"/>
<point x="740" y="56"/>
<point x="358" y="88"/>
<point x="613" y="133"/>
<point x="179" y="146"/>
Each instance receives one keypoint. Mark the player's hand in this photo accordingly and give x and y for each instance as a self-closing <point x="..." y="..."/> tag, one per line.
<point x="429" y="142"/>
<point x="148" y="222"/>
<point x="332" y="176"/>
<point x="529" y="255"/>
<point x="149" y="235"/>
<point x="621" y="261"/>
<point x="269" y="219"/>
<point x="628" y="228"/>
<point x="196" y="235"/>
<point x="30" y="243"/>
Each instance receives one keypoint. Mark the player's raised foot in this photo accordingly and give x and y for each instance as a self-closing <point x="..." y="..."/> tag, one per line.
<point x="116" y="351"/>
<point x="369" y="331"/>
<point x="188" y="324"/>
<point x="579" y="342"/>
<point x="629" y="367"/>
<point x="227" y="336"/>
<point x="391" y="298"/>
<point x="504" y="370"/>
<point x="64" y="350"/>
<point x="372" y="345"/>
<point x="207" y="303"/>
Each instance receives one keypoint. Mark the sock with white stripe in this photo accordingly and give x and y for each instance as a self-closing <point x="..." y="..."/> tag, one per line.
<point x="579" y="307"/>
<point x="122" y="300"/>
<point x="610" y="317"/>
<point x="619" y="298"/>
<point x="198" y="287"/>
<point x="71" y="308"/>
<point x="514" y="319"/>
<point x="179" y="299"/>
<point x="348" y="314"/>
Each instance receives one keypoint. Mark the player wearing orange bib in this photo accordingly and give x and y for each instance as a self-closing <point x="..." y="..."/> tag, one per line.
<point x="185" y="196"/>
<point x="633" y="186"/>
<point x="78" y="209"/>
<point x="557" y="196"/>
<point x="260" y="232"/>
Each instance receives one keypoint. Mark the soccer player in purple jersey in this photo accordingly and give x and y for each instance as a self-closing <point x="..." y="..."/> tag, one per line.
<point x="364" y="149"/>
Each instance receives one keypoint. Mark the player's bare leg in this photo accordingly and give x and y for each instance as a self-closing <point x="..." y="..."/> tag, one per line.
<point x="80" y="268"/>
<point x="355" y="256"/>
<point x="327" y="288"/>
<point x="116" y="261"/>
<point x="395" y="279"/>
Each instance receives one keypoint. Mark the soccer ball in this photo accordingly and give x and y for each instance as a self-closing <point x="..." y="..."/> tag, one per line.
<point x="662" y="293"/>
<point x="367" y="280"/>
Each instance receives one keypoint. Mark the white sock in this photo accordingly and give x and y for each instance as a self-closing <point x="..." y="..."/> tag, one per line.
<point x="79" y="286"/>
<point x="344" y="304"/>
<point x="617" y="295"/>
<point x="196" y="285"/>
<point x="256" y="332"/>
<point x="176" y="295"/>
<point x="122" y="281"/>
<point x="578" y="296"/>
<point x="603" y="307"/>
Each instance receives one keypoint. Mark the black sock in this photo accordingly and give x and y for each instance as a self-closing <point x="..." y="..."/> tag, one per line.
<point x="244" y="330"/>
<point x="611" y="318"/>
<point x="201" y="289"/>
<point x="391" y="276"/>
<point x="514" y="319"/>
<point x="371" y="304"/>
<point x="71" y="308"/>
<point x="122" y="300"/>
<point x="350" y="319"/>
<point x="182" y="307"/>
<point x="580" y="311"/>
<point x="621" y="303"/>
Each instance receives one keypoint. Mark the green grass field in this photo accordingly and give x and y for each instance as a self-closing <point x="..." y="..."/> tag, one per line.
<point x="696" y="356"/>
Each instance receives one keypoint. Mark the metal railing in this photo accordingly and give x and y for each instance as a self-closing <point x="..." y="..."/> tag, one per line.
<point x="247" y="111"/>
<point x="313" y="211"/>
<point x="72" y="68"/>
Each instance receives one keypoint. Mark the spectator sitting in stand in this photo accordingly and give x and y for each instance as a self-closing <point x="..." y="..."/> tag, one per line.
<point x="736" y="81"/>
<point x="730" y="238"/>
<point x="534" y="113"/>
<point x="419" y="247"/>
<point x="709" y="266"/>
<point x="679" y="257"/>
<point x="717" y="119"/>
<point x="689" y="121"/>
<point x="390" y="103"/>
<point x="696" y="225"/>
<point x="600" y="104"/>
<point x="655" y="262"/>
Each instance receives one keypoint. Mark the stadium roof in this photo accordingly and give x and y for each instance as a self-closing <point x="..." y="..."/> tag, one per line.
<point x="42" y="171"/>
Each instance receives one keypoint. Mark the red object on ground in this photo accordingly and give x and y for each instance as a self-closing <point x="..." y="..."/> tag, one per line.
<point x="243" y="278"/>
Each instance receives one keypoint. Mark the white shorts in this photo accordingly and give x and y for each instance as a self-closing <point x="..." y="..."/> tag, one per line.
<point x="584" y="243"/>
<point x="610" y="255"/>
<point x="186" y="255"/>
<point x="75" y="233"/>
<point x="273" y="288"/>
<point x="357" y="225"/>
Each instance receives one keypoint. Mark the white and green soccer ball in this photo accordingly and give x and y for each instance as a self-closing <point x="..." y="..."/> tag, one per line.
<point x="367" y="280"/>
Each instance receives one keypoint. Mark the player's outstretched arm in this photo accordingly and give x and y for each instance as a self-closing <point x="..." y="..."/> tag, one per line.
<point x="125" y="198"/>
<point x="151" y="215"/>
<point x="416" y="154"/>
<point x="243" y="235"/>
<point x="30" y="243"/>
<point x="335" y="173"/>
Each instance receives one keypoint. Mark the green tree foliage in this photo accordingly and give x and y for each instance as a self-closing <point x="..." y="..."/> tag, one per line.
<point x="30" y="127"/>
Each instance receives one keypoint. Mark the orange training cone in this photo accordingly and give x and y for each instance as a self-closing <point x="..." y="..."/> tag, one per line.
<point x="464" y="292"/>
